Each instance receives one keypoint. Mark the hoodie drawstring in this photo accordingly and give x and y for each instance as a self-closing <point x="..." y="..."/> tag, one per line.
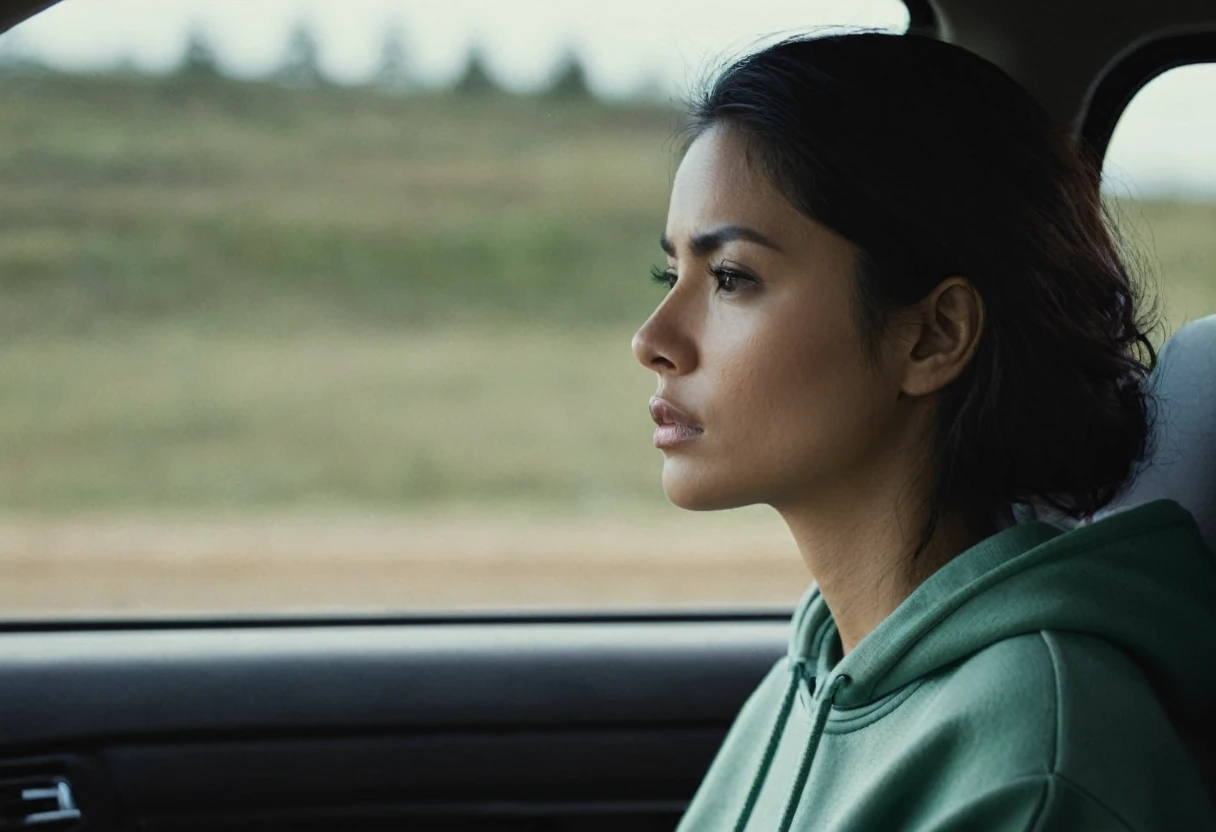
<point x="808" y="755"/>
<point x="770" y="750"/>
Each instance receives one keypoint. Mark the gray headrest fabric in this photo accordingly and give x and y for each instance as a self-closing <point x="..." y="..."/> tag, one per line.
<point x="1181" y="465"/>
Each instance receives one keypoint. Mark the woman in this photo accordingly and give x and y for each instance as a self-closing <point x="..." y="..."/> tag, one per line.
<point x="894" y="313"/>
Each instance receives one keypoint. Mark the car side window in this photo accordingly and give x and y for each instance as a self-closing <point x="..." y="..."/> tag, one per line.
<point x="318" y="307"/>
<point x="1159" y="175"/>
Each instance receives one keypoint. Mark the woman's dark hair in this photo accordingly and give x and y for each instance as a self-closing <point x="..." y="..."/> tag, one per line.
<point x="934" y="163"/>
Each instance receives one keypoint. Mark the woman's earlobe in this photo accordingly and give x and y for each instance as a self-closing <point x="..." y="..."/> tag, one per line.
<point x="951" y="321"/>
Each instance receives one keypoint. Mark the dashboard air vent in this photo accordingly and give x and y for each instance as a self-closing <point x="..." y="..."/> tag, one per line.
<point x="37" y="801"/>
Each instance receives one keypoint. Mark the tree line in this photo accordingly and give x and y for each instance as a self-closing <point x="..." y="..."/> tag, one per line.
<point x="301" y="67"/>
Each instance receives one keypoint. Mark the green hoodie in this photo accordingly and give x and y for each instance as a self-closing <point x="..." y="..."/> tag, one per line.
<point x="1024" y="686"/>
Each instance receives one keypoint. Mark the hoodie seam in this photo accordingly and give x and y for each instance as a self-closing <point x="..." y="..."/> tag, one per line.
<point x="1053" y="770"/>
<point x="844" y="722"/>
<point x="1040" y="807"/>
<point x="1058" y="681"/>
<point x="1089" y="796"/>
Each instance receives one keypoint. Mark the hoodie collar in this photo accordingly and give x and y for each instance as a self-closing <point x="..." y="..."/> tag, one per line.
<point x="1112" y="579"/>
<point x="815" y="641"/>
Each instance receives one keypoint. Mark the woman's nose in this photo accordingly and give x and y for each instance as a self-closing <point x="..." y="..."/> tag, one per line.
<point x="662" y="347"/>
<point x="648" y="355"/>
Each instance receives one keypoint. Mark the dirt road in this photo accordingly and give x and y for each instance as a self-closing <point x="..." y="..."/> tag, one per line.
<point x="90" y="565"/>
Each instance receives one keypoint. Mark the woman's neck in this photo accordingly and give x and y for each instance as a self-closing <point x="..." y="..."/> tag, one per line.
<point x="861" y="551"/>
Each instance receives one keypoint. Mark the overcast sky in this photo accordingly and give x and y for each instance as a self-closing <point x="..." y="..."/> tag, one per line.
<point x="624" y="42"/>
<point x="1167" y="139"/>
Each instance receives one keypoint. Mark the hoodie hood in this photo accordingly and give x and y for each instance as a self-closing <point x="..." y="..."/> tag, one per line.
<point x="1142" y="580"/>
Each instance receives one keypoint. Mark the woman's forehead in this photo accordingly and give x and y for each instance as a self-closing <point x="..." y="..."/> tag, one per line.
<point x="716" y="186"/>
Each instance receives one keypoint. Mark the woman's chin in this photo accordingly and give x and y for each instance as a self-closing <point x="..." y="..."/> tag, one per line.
<point x="699" y="493"/>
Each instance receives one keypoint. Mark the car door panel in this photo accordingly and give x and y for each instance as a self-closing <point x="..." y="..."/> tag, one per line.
<point x="545" y="725"/>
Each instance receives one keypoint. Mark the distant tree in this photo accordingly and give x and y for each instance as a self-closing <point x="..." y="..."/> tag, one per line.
<point x="570" y="79"/>
<point x="302" y="63"/>
<point x="393" y="75"/>
<point x="476" y="79"/>
<point x="199" y="62"/>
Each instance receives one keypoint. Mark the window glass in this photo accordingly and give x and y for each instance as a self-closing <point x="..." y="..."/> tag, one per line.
<point x="1160" y="176"/>
<point x="314" y="306"/>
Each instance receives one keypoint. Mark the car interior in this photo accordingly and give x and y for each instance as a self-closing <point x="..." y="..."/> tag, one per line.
<point x="530" y="721"/>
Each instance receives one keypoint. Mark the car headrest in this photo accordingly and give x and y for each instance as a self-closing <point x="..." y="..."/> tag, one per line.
<point x="1181" y="464"/>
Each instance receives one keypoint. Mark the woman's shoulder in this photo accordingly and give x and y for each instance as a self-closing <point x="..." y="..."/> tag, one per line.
<point x="1078" y="709"/>
<point x="1072" y="687"/>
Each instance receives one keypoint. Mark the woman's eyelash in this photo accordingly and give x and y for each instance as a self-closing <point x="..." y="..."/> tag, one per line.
<point x="663" y="277"/>
<point x="729" y="279"/>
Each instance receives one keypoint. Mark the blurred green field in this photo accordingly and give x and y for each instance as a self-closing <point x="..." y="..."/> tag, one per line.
<point x="241" y="296"/>
<point x="248" y="296"/>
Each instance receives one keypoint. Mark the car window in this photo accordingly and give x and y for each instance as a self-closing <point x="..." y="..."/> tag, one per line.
<point x="1160" y="177"/>
<point x="314" y="306"/>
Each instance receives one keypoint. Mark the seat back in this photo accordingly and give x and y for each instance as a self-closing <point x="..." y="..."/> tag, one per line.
<point x="1182" y="466"/>
<point x="1182" y="463"/>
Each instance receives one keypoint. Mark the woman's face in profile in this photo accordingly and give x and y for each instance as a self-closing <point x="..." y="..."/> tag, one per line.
<point x="765" y="394"/>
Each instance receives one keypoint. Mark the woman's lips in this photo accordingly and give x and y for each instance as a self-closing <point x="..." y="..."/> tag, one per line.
<point x="669" y="436"/>
<point x="674" y="427"/>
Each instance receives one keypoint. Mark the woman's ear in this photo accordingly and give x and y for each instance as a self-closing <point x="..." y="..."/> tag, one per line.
<point x="945" y="332"/>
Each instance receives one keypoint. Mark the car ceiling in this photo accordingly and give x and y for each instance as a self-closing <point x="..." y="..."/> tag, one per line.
<point x="1057" y="48"/>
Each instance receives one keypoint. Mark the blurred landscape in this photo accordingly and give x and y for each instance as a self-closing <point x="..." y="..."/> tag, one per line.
<point x="280" y="345"/>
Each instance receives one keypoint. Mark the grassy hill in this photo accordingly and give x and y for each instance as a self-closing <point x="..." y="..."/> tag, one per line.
<point x="131" y="202"/>
<point x="217" y="295"/>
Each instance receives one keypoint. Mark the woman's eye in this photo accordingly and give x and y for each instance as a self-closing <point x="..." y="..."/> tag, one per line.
<point x="729" y="280"/>
<point x="663" y="277"/>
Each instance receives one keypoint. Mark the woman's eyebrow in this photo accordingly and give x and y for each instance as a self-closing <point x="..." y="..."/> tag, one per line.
<point x="709" y="241"/>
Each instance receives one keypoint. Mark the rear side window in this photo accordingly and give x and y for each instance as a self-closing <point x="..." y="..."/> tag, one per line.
<point x="1160" y="177"/>
<point x="310" y="306"/>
